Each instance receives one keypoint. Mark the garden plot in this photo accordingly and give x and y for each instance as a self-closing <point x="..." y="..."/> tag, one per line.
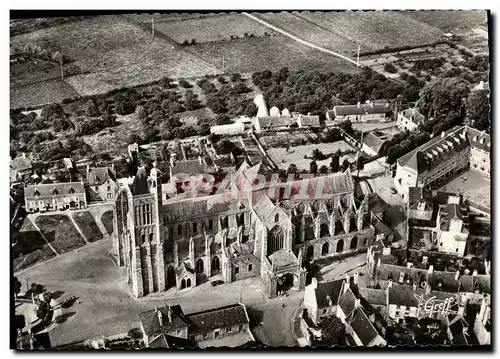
<point x="60" y="232"/>
<point x="87" y="225"/>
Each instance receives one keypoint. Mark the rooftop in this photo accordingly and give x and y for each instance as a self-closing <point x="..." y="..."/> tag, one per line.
<point x="204" y="321"/>
<point x="372" y="141"/>
<point x="331" y="289"/>
<point x="151" y="320"/>
<point x="99" y="175"/>
<point x="360" y="109"/>
<point x="54" y="189"/>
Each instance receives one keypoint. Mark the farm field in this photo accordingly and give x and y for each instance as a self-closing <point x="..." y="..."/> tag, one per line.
<point x="107" y="221"/>
<point x="173" y="16"/>
<point x="87" y="225"/>
<point x="450" y="21"/>
<point x="273" y="53"/>
<point x="112" y="53"/>
<point x="66" y="238"/>
<point x="296" y="154"/>
<point x="375" y="30"/>
<point x="40" y="93"/>
<point x="212" y="28"/>
<point x="31" y="248"/>
<point x="308" y="31"/>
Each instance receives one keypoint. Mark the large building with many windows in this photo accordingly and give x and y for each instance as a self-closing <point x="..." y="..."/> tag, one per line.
<point x="442" y="158"/>
<point x="177" y="240"/>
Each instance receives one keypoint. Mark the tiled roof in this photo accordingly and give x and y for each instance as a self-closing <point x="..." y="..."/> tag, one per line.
<point x="201" y="322"/>
<point x="190" y="167"/>
<point x="451" y="211"/>
<point x="362" y="109"/>
<point x="418" y="195"/>
<point x="362" y="326"/>
<point x="151" y="322"/>
<point x="99" y="175"/>
<point x="332" y="289"/>
<point x="193" y="208"/>
<point x="373" y="142"/>
<point x="54" y="189"/>
<point x="20" y="164"/>
<point x="436" y="150"/>
<point x="312" y="121"/>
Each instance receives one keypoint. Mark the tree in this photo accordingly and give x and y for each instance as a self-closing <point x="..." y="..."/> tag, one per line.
<point x="323" y="169"/>
<point x="235" y="77"/>
<point x="313" y="167"/>
<point x="91" y="109"/>
<point x="184" y="83"/>
<point x="332" y="331"/>
<point x="292" y="168"/>
<point x="390" y="68"/>
<point x="17" y="286"/>
<point x="478" y="110"/>
<point x="440" y="97"/>
<point x="346" y="164"/>
<point x="318" y="155"/>
<point x="335" y="163"/>
<point x="134" y="138"/>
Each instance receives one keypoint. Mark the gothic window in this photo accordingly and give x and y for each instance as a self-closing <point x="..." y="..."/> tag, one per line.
<point x="236" y="270"/>
<point x="324" y="232"/>
<point x="199" y="266"/>
<point x="183" y="284"/>
<point x="354" y="242"/>
<point x="150" y="237"/>
<point x="277" y="218"/>
<point x="365" y="241"/>
<point x="325" y="249"/>
<point x="188" y="282"/>
<point x="275" y="240"/>
<point x="210" y="224"/>
<point x="143" y="238"/>
<point x="250" y="267"/>
<point x="340" y="245"/>
<point x="195" y="227"/>
<point x="179" y="230"/>
<point x="215" y="264"/>
<point x="310" y="252"/>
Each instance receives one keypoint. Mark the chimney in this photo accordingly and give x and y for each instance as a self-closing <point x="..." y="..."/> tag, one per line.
<point x="431" y="269"/>
<point x="200" y="160"/>
<point x="457" y="275"/>
<point x="424" y="259"/>
<point x="474" y="273"/>
<point x="160" y="317"/>
<point x="169" y="311"/>
<point x="371" y="103"/>
<point x="346" y="286"/>
<point x="23" y="155"/>
<point x="442" y="134"/>
<point x="414" y="286"/>
<point x="466" y="271"/>
<point x="379" y="262"/>
<point x="314" y="283"/>
<point x="409" y="265"/>
<point x="372" y="317"/>
<point x="386" y="251"/>
<point x="357" y="303"/>
<point x="460" y="311"/>
<point x="389" y="283"/>
<point x="356" y="278"/>
<point x="359" y="104"/>
<point x="329" y="300"/>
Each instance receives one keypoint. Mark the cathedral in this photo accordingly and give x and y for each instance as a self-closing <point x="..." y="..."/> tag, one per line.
<point x="165" y="240"/>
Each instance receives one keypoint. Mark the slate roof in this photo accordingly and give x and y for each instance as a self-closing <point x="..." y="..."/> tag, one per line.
<point x="417" y="195"/>
<point x="442" y="198"/>
<point x="362" y="109"/>
<point x="457" y="327"/>
<point x="20" y="164"/>
<point x="204" y="321"/>
<point x="190" y="167"/>
<point x="332" y="289"/>
<point x="182" y="269"/>
<point x="310" y="121"/>
<point x="169" y="341"/>
<point x="413" y="115"/>
<point x="475" y="138"/>
<point x="373" y="142"/>
<point x="151" y="322"/>
<point x="54" y="189"/>
<point x="274" y="121"/>
<point x="347" y="302"/>
<point x="140" y="184"/>
<point x="436" y="150"/>
<point x="264" y="207"/>
<point x="373" y="296"/>
<point x="451" y="211"/>
<point x="376" y="204"/>
<point x="99" y="175"/>
<point x="193" y="208"/>
<point x="283" y="258"/>
<point x="362" y="326"/>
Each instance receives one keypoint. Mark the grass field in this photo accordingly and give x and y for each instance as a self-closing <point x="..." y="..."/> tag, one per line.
<point x="449" y="20"/>
<point x="113" y="52"/>
<point x="87" y="225"/>
<point x="296" y="154"/>
<point x="40" y="93"/>
<point x="60" y="232"/>
<point x="212" y="28"/>
<point x="375" y="30"/>
<point x="107" y="221"/>
<point x="273" y="53"/>
<point x="309" y="31"/>
<point x="31" y="248"/>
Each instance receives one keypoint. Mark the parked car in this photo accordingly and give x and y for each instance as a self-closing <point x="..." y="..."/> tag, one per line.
<point x="216" y="283"/>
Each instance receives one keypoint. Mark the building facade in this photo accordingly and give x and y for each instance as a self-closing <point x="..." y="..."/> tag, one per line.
<point x="366" y="112"/>
<point x="55" y="196"/>
<point x="409" y="120"/>
<point x="442" y="158"/>
<point x="165" y="240"/>
<point x="101" y="184"/>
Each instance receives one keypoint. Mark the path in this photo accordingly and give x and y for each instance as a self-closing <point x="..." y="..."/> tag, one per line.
<point x="33" y="221"/>
<point x="298" y="39"/>
<point x="70" y="216"/>
<point x="337" y="269"/>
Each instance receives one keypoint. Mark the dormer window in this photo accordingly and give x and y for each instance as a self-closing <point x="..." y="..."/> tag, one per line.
<point x="36" y="193"/>
<point x="71" y="190"/>
<point x="277" y="218"/>
<point x="54" y="191"/>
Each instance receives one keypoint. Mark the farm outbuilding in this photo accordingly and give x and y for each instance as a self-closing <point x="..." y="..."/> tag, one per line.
<point x="232" y="129"/>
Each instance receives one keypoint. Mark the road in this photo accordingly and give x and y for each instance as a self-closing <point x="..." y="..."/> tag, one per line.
<point x="336" y="270"/>
<point x="275" y="321"/>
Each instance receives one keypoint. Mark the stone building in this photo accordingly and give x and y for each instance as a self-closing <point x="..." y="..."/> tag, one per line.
<point x="246" y="229"/>
<point x="101" y="184"/>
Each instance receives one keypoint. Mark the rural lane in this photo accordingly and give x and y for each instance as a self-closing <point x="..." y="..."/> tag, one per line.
<point x="298" y="39"/>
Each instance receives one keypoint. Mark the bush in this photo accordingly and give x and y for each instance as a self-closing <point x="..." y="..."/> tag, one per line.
<point x="184" y="83"/>
<point x="390" y="68"/>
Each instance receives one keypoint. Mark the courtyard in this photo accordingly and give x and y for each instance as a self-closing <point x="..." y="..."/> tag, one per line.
<point x="105" y="304"/>
<point x="473" y="185"/>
